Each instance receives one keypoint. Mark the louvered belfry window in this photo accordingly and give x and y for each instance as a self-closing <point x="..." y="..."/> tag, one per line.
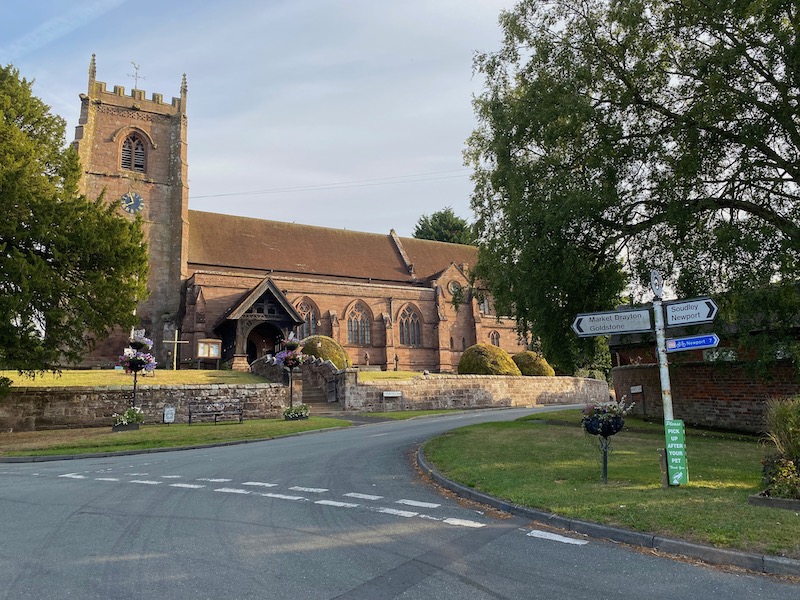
<point x="133" y="154"/>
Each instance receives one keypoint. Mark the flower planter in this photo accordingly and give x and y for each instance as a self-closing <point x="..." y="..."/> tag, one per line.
<point x="128" y="427"/>
<point x="769" y="502"/>
<point x="605" y="427"/>
<point x="294" y="417"/>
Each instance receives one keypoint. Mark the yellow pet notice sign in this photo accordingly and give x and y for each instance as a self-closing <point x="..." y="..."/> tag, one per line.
<point x="677" y="467"/>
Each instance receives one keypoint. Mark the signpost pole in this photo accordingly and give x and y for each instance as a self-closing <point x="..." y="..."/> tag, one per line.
<point x="656" y="284"/>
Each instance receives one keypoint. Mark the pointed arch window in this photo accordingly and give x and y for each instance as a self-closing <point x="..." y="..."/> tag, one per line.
<point x="494" y="338"/>
<point x="310" y="317"/>
<point x="358" y="326"/>
<point x="410" y="327"/>
<point x="133" y="154"/>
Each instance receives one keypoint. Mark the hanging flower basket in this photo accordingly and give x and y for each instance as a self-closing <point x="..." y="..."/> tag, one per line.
<point x="604" y="427"/>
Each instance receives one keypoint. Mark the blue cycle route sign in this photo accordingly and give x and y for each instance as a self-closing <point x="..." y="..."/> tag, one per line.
<point x="695" y="342"/>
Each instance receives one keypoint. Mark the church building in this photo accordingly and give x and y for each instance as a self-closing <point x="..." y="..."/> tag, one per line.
<point x="228" y="289"/>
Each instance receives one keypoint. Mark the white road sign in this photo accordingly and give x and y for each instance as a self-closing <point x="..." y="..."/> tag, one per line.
<point x="690" y="312"/>
<point x="608" y="323"/>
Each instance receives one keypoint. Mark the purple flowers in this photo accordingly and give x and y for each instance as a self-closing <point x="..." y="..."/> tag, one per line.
<point x="138" y="361"/>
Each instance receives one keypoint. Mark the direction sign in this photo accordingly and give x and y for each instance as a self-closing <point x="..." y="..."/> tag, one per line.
<point x="616" y="321"/>
<point x="690" y="312"/>
<point x="695" y="342"/>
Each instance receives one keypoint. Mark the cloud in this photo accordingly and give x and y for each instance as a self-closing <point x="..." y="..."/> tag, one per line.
<point x="56" y="28"/>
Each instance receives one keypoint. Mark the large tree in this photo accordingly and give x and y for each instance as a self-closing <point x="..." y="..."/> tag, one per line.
<point x="70" y="268"/>
<point x="619" y="136"/>
<point x="444" y="226"/>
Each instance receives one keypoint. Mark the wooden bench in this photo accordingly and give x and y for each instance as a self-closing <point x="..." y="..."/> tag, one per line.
<point x="218" y="409"/>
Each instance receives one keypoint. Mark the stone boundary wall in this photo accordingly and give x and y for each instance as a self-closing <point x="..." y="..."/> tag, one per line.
<point x="722" y="395"/>
<point x="28" y="409"/>
<point x="473" y="391"/>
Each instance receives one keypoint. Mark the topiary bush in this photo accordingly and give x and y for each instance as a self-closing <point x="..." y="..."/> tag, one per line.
<point x="485" y="359"/>
<point x="326" y="348"/>
<point x="533" y="365"/>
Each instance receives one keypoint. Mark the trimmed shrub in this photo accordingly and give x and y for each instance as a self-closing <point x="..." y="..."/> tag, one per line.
<point x="326" y="348"/>
<point x="485" y="359"/>
<point x="533" y="365"/>
<point x="781" y="475"/>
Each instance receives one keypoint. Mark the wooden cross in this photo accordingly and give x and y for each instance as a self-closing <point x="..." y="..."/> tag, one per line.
<point x="175" y="343"/>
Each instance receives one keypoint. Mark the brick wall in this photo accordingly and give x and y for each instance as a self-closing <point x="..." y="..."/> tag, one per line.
<point x="723" y="395"/>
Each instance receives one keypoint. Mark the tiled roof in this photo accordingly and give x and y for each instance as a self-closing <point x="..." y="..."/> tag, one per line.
<point x="225" y="242"/>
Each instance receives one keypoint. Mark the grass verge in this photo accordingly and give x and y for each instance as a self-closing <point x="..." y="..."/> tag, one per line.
<point x="556" y="467"/>
<point x="101" y="439"/>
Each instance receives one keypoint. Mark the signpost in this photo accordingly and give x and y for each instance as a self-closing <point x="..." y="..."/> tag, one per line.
<point x="690" y="312"/>
<point x="670" y="314"/>
<point x="611" y="322"/>
<point x="695" y="342"/>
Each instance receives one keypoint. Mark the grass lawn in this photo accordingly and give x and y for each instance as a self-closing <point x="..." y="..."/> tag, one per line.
<point x="556" y="467"/>
<point x="107" y="377"/>
<point x="101" y="439"/>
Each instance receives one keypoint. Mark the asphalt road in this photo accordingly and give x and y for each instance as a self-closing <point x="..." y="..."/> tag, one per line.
<point x="336" y="514"/>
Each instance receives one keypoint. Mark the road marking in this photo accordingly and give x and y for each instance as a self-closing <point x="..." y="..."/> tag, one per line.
<point x="297" y="488"/>
<point x="546" y="535"/>
<point x="171" y="476"/>
<point x="190" y="486"/>
<point x="260" y="484"/>
<point x="418" y="504"/>
<point x="362" y="496"/>
<point x="106" y="479"/>
<point x="335" y="503"/>
<point x="145" y="481"/>
<point x="73" y="476"/>
<point x="378" y="434"/>
<point x="214" y="480"/>
<point x="137" y="474"/>
<point x="232" y="491"/>
<point x="281" y="496"/>
<point x="398" y="513"/>
<point x="463" y="522"/>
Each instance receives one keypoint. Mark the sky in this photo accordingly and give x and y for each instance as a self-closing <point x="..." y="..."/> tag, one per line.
<point x="351" y="114"/>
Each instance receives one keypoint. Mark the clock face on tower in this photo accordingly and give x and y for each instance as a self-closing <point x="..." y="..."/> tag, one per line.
<point x="132" y="202"/>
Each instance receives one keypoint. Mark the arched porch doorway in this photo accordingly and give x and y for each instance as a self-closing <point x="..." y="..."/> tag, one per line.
<point x="262" y="340"/>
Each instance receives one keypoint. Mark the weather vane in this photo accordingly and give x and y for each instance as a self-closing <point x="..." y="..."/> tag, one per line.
<point x="136" y="76"/>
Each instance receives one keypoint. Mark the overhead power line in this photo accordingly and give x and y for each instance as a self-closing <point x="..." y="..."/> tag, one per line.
<point x="348" y="184"/>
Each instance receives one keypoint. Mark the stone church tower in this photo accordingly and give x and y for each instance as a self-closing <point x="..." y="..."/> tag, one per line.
<point x="133" y="150"/>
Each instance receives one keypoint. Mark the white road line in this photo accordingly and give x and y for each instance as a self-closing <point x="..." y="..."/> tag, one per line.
<point x="430" y="518"/>
<point x="106" y="479"/>
<point x="362" y="496"/>
<point x="171" y="476"/>
<point x="463" y="522"/>
<point x="281" y="496"/>
<point x="398" y="513"/>
<point x="214" y="480"/>
<point x="73" y="476"/>
<point x="335" y="503"/>
<point x="297" y="488"/>
<point x="546" y="535"/>
<point x="418" y="504"/>
<point x="137" y="474"/>
<point x="145" y="481"/>
<point x="190" y="486"/>
<point x="260" y="484"/>
<point x="232" y="491"/>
